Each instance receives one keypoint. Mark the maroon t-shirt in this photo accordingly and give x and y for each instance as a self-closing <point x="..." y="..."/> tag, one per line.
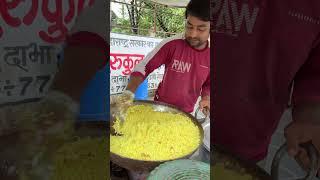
<point x="259" y="48"/>
<point x="187" y="72"/>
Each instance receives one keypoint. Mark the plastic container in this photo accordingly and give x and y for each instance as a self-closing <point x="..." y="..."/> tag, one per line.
<point x="204" y="150"/>
<point x="142" y="91"/>
<point x="95" y="100"/>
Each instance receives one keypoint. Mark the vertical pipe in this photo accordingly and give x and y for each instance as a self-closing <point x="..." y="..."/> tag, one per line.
<point x="155" y="19"/>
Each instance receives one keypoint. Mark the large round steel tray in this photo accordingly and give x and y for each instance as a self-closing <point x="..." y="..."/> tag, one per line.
<point x="140" y="165"/>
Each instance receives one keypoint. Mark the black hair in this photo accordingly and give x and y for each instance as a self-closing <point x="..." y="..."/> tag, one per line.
<point x="199" y="9"/>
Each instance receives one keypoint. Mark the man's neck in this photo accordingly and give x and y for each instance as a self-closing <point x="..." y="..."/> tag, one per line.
<point x="203" y="46"/>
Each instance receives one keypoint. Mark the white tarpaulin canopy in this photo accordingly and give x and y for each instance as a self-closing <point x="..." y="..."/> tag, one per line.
<point x="175" y="3"/>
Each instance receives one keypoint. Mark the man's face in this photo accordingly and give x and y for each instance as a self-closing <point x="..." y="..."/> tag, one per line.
<point x="197" y="31"/>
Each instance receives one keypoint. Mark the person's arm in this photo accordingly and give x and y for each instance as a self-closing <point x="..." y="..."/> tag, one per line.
<point x="306" y="107"/>
<point x="157" y="57"/>
<point x="204" y="103"/>
<point x="84" y="55"/>
<point x="134" y="83"/>
<point x="86" y="50"/>
<point x="306" y="91"/>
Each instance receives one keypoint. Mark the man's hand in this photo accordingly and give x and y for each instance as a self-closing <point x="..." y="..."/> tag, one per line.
<point x="120" y="103"/>
<point x="304" y="128"/>
<point x="125" y="98"/>
<point x="204" y="104"/>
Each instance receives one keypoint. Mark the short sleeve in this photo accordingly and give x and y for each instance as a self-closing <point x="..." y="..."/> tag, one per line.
<point x="307" y="80"/>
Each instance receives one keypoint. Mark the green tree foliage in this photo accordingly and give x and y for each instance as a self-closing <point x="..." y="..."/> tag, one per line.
<point x="138" y="18"/>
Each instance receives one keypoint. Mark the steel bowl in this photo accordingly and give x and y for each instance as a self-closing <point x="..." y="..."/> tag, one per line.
<point x="140" y="165"/>
<point x="204" y="150"/>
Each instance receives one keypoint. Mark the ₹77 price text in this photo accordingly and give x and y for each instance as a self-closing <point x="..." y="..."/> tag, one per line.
<point x="118" y="84"/>
<point x="25" y="85"/>
<point x="116" y="89"/>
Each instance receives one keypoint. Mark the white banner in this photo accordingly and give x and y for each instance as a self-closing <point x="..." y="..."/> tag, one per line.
<point x="173" y="3"/>
<point x="125" y="53"/>
<point x="31" y="35"/>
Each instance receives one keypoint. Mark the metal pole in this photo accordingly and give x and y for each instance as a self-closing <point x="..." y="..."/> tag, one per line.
<point x="155" y="19"/>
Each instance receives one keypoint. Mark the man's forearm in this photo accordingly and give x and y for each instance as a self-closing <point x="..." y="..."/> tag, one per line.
<point x="205" y="97"/>
<point x="134" y="83"/>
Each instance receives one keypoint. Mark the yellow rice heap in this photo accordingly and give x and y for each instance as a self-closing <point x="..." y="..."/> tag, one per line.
<point x="154" y="136"/>
<point x="85" y="159"/>
<point x="219" y="171"/>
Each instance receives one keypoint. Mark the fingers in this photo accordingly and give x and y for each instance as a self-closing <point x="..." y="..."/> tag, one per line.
<point x="201" y="105"/>
<point x="293" y="137"/>
<point x="293" y="148"/>
<point x="204" y="104"/>
<point x="303" y="159"/>
<point x="296" y="134"/>
<point x="113" y="99"/>
<point x="205" y="111"/>
<point x="126" y="97"/>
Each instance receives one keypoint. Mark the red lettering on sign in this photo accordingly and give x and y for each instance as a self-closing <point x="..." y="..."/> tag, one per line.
<point x="7" y="17"/>
<point x="137" y="61"/>
<point x="4" y="11"/>
<point x="71" y="12"/>
<point x="56" y="18"/>
<point x="57" y="30"/>
<point x="128" y="66"/>
<point x="114" y="60"/>
<point x="80" y="6"/>
<point x="32" y="14"/>
<point x="126" y="62"/>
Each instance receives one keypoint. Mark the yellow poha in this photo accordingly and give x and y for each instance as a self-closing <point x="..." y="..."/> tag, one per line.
<point x="154" y="136"/>
<point x="85" y="159"/>
<point x="219" y="171"/>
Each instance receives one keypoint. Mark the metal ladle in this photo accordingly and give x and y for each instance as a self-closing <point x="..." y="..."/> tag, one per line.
<point x="201" y="120"/>
<point x="312" y="153"/>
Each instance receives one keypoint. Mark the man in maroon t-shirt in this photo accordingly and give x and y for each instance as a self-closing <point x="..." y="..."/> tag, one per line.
<point x="186" y="58"/>
<point x="260" y="48"/>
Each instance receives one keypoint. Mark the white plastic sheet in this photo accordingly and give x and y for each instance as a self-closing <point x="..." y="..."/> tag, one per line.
<point x="173" y="3"/>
